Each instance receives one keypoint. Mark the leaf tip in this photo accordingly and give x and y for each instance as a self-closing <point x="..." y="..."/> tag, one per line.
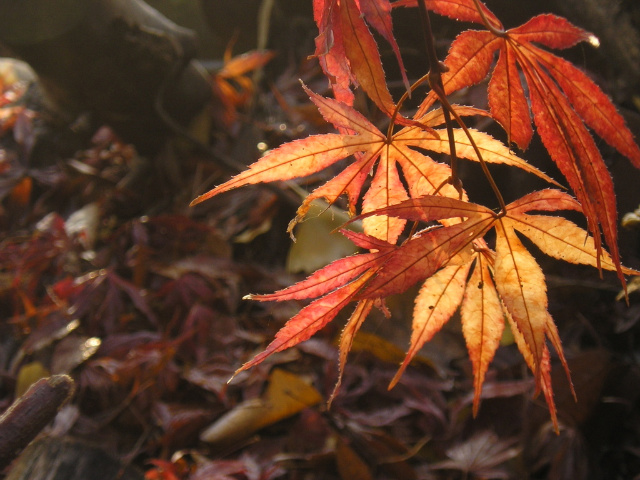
<point x="201" y="198"/>
<point x="593" y="40"/>
<point x="245" y="366"/>
<point x="396" y="378"/>
<point x="336" y="389"/>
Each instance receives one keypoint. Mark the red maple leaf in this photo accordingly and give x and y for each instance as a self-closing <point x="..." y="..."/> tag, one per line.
<point x="347" y="51"/>
<point x="563" y="99"/>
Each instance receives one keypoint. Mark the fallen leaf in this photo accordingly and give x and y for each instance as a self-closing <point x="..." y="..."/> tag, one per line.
<point x="286" y="395"/>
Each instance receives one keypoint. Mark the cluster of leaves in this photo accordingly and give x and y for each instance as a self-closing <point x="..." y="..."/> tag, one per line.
<point x="393" y="185"/>
<point x="139" y="300"/>
<point x="145" y="313"/>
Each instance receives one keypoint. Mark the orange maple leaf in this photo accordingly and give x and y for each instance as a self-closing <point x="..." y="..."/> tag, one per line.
<point x="461" y="271"/>
<point x="507" y="283"/>
<point x="231" y="85"/>
<point x="378" y="152"/>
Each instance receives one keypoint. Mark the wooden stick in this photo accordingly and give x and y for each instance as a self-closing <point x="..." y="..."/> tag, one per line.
<point x="30" y="413"/>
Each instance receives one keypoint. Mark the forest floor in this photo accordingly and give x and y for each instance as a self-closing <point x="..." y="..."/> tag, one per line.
<point x="111" y="278"/>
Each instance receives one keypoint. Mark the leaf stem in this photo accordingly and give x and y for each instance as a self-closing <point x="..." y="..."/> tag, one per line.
<point x="498" y="32"/>
<point x="436" y="68"/>
<point x="405" y="96"/>
<point x="485" y="169"/>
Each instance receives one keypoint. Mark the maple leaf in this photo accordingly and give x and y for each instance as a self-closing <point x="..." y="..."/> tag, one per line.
<point x="104" y="296"/>
<point x="427" y="251"/>
<point x="462" y="10"/>
<point x="235" y="95"/>
<point x="310" y="319"/>
<point x="507" y="283"/>
<point x="331" y="54"/>
<point x="482" y="322"/>
<point x="347" y="51"/>
<point x="378" y="14"/>
<point x="562" y="99"/>
<point x="349" y="279"/>
<point x="373" y="150"/>
<point x="490" y="287"/>
<point x="480" y="455"/>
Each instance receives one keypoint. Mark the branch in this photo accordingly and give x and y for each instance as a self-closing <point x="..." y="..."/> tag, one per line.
<point x="30" y="413"/>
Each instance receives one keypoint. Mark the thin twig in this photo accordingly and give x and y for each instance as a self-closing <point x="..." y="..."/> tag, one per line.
<point x="436" y="68"/>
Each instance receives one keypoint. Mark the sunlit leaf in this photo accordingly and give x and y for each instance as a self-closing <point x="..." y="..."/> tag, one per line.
<point x="437" y="301"/>
<point x="522" y="287"/>
<point x="310" y="319"/>
<point x="562" y="99"/>
<point x="482" y="323"/>
<point x="286" y="395"/>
